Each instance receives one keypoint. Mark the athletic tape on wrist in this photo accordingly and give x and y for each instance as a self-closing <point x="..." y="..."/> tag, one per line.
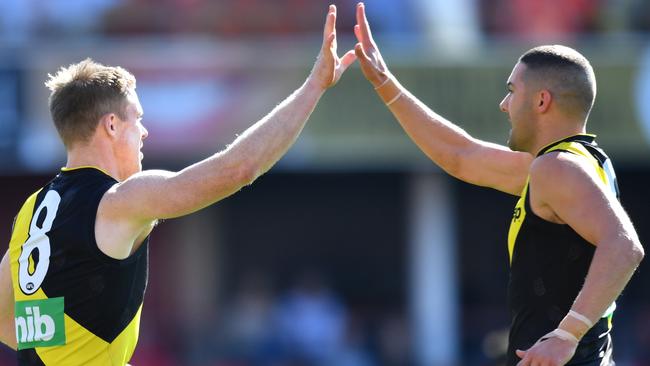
<point x="563" y="334"/>
<point x="383" y="83"/>
<point x="394" y="99"/>
<point x="559" y="333"/>
<point x="581" y="317"/>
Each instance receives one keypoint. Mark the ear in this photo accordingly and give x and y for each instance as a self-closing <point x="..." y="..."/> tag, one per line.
<point x="108" y="123"/>
<point x="544" y="99"/>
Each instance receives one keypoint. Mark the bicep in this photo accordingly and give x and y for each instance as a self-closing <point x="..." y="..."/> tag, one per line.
<point x="158" y="194"/>
<point x="594" y="214"/>
<point x="491" y="165"/>
<point x="583" y="203"/>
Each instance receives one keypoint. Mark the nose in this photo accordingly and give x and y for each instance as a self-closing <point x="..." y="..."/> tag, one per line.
<point x="145" y="132"/>
<point x="504" y="105"/>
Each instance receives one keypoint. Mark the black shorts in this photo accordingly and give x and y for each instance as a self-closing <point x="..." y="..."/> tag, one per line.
<point x="595" y="349"/>
<point x="595" y="353"/>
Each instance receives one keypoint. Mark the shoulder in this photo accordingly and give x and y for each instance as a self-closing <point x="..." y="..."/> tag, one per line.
<point x="558" y="165"/>
<point x="562" y="175"/>
<point x="124" y="200"/>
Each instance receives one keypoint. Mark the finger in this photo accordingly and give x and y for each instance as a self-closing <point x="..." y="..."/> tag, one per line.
<point x="347" y="60"/>
<point x="361" y="54"/>
<point x="357" y="32"/>
<point x="330" y="21"/>
<point x="364" y="27"/>
<point x="328" y="42"/>
<point x="332" y="10"/>
<point x="367" y="67"/>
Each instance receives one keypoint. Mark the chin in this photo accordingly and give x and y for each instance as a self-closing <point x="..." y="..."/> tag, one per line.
<point x="511" y="143"/>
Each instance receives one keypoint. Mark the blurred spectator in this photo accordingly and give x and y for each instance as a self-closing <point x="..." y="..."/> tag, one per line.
<point x="642" y="93"/>
<point x="642" y="336"/>
<point x="25" y="19"/>
<point x="311" y="322"/>
<point x="21" y="21"/>
<point x="395" y="346"/>
<point x="222" y="18"/>
<point x="535" y="19"/>
<point x="230" y="18"/>
<point x="245" y="331"/>
<point x="640" y="16"/>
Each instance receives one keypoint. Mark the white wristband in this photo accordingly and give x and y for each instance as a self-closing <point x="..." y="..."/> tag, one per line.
<point x="581" y="317"/>
<point x="563" y="334"/>
<point x="383" y="83"/>
<point x="394" y="99"/>
<point x="559" y="333"/>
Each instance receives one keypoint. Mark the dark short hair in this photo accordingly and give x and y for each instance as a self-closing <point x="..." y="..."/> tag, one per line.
<point x="566" y="73"/>
<point x="82" y="93"/>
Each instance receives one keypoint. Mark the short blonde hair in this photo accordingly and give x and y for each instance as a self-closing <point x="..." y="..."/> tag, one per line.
<point x="82" y="93"/>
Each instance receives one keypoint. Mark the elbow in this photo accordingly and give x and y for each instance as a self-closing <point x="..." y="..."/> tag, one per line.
<point x="457" y="169"/>
<point x="246" y="173"/>
<point x="457" y="164"/>
<point x="633" y="256"/>
<point x="637" y="253"/>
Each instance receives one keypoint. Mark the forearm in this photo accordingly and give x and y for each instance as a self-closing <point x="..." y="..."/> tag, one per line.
<point x="611" y="268"/>
<point x="264" y="143"/>
<point x="442" y="141"/>
<point x="224" y="173"/>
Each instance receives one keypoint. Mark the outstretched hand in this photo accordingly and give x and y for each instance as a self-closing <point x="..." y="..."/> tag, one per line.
<point x="551" y="352"/>
<point x="372" y="64"/>
<point x="329" y="67"/>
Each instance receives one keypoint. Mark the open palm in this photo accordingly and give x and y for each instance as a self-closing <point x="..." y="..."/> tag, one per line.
<point x="329" y="67"/>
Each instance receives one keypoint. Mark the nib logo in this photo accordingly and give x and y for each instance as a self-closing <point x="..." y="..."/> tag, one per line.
<point x="40" y="323"/>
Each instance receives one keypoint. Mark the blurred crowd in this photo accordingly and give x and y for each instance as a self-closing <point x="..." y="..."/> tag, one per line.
<point x="21" y="20"/>
<point x="306" y="324"/>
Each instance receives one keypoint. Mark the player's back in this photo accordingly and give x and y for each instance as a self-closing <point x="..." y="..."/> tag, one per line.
<point x="74" y="304"/>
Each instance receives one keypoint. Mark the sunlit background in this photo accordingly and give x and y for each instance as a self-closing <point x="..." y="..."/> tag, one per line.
<point x="354" y="250"/>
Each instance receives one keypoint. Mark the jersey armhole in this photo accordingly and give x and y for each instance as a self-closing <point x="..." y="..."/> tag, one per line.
<point x="92" y="240"/>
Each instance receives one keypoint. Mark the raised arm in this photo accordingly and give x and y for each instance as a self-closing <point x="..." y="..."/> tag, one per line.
<point x="7" y="327"/>
<point x="596" y="215"/>
<point x="131" y="207"/>
<point x="449" y="146"/>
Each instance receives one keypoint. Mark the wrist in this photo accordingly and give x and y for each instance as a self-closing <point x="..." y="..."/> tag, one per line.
<point x="389" y="90"/>
<point x="565" y="336"/>
<point x="574" y="326"/>
<point x="312" y="84"/>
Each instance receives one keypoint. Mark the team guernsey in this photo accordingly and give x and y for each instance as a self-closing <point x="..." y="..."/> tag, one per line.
<point x="549" y="263"/>
<point x="74" y="305"/>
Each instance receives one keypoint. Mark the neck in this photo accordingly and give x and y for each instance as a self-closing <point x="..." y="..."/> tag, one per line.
<point x="86" y="155"/>
<point x="556" y="132"/>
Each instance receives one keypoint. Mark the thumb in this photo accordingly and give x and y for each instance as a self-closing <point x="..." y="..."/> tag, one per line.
<point x="348" y="59"/>
<point x="358" y="50"/>
<point x="361" y="55"/>
<point x="520" y="353"/>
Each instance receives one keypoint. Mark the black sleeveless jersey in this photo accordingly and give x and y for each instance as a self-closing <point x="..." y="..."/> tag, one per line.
<point x="549" y="263"/>
<point x="74" y="305"/>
